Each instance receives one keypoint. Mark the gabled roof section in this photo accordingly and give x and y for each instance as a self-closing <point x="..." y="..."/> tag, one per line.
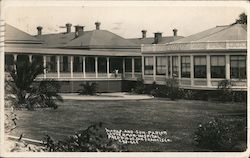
<point x="56" y="40"/>
<point x="100" y="39"/>
<point x="218" y="33"/>
<point x="150" y="40"/>
<point x="16" y="36"/>
<point x="235" y="32"/>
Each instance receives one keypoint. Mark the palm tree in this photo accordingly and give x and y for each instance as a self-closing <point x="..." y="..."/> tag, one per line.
<point x="27" y="92"/>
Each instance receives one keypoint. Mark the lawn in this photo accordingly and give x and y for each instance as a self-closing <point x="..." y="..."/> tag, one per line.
<point x="179" y="118"/>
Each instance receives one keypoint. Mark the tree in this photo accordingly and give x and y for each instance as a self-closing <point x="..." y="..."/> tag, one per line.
<point x="242" y="19"/>
<point x="24" y="91"/>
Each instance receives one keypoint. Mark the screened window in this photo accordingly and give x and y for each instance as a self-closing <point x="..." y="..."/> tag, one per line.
<point x="77" y="64"/>
<point x="90" y="64"/>
<point x="37" y="59"/>
<point x="218" y="67"/>
<point x="51" y="63"/>
<point x="102" y="65"/>
<point x="64" y="63"/>
<point x="169" y="66"/>
<point x="138" y="65"/>
<point x="238" y="67"/>
<point x="175" y="67"/>
<point x="161" y="65"/>
<point x="128" y="65"/>
<point x="200" y="68"/>
<point x="185" y="66"/>
<point x="149" y="64"/>
<point x="9" y="62"/>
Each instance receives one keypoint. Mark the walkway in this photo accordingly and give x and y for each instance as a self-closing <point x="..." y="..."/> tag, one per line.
<point x="106" y="96"/>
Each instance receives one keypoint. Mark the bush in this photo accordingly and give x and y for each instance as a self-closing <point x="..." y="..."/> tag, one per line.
<point x="172" y="88"/>
<point x="220" y="135"/>
<point x="89" y="88"/>
<point x="88" y="140"/>
<point x="225" y="91"/>
<point x="140" y="88"/>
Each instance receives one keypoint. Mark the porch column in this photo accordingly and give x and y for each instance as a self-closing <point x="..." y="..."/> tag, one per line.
<point x="96" y="67"/>
<point x="123" y="68"/>
<point x="107" y="58"/>
<point x="171" y="67"/>
<point x="208" y="71"/>
<point x="167" y="66"/>
<point x="58" y="66"/>
<point x="154" y="68"/>
<point x="71" y="66"/>
<point x="30" y="58"/>
<point x="15" y="61"/>
<point x="133" y="67"/>
<point x="179" y="67"/>
<point x="83" y="67"/>
<point x="227" y="67"/>
<point x="142" y="63"/>
<point x="192" y="69"/>
<point x="44" y="65"/>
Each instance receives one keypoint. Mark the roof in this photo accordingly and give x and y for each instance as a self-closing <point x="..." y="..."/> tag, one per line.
<point x="16" y="36"/>
<point x="218" y="33"/>
<point x="56" y="40"/>
<point x="229" y="37"/>
<point x="150" y="40"/>
<point x="100" y="39"/>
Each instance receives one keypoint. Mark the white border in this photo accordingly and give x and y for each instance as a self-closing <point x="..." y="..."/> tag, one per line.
<point x="60" y="3"/>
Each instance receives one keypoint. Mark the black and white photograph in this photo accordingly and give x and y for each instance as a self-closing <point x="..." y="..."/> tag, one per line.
<point x="124" y="77"/>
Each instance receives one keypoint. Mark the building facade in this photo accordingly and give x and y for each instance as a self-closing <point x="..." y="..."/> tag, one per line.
<point x="200" y="61"/>
<point x="76" y="57"/>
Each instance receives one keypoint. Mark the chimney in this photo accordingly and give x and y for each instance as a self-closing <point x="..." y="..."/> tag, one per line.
<point x="158" y="37"/>
<point x="144" y="33"/>
<point x="68" y="27"/>
<point x="78" y="30"/>
<point x="39" y="30"/>
<point x="97" y="25"/>
<point x="175" y="32"/>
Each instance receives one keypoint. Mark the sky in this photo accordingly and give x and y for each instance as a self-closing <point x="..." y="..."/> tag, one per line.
<point x="126" y="21"/>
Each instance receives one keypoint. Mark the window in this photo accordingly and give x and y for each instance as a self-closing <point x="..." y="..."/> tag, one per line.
<point x="77" y="64"/>
<point x="9" y="62"/>
<point x="200" y="68"/>
<point x="102" y="65"/>
<point x="238" y="67"/>
<point x="51" y="63"/>
<point x="175" y="67"/>
<point x="218" y="67"/>
<point x="138" y="65"/>
<point x="128" y="65"/>
<point x="185" y="66"/>
<point x="149" y="64"/>
<point x="64" y="64"/>
<point x="169" y="66"/>
<point x="90" y="64"/>
<point x="161" y="65"/>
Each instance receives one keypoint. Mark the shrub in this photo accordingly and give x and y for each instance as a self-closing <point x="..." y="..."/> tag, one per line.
<point x="220" y="135"/>
<point x="88" y="140"/>
<point x="88" y="88"/>
<point x="172" y="88"/>
<point x="140" y="88"/>
<point x="225" y="91"/>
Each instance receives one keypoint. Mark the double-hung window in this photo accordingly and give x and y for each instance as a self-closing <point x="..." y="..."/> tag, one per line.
<point x="200" y="67"/>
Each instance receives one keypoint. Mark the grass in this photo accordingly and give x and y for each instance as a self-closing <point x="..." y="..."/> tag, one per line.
<point x="179" y="118"/>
